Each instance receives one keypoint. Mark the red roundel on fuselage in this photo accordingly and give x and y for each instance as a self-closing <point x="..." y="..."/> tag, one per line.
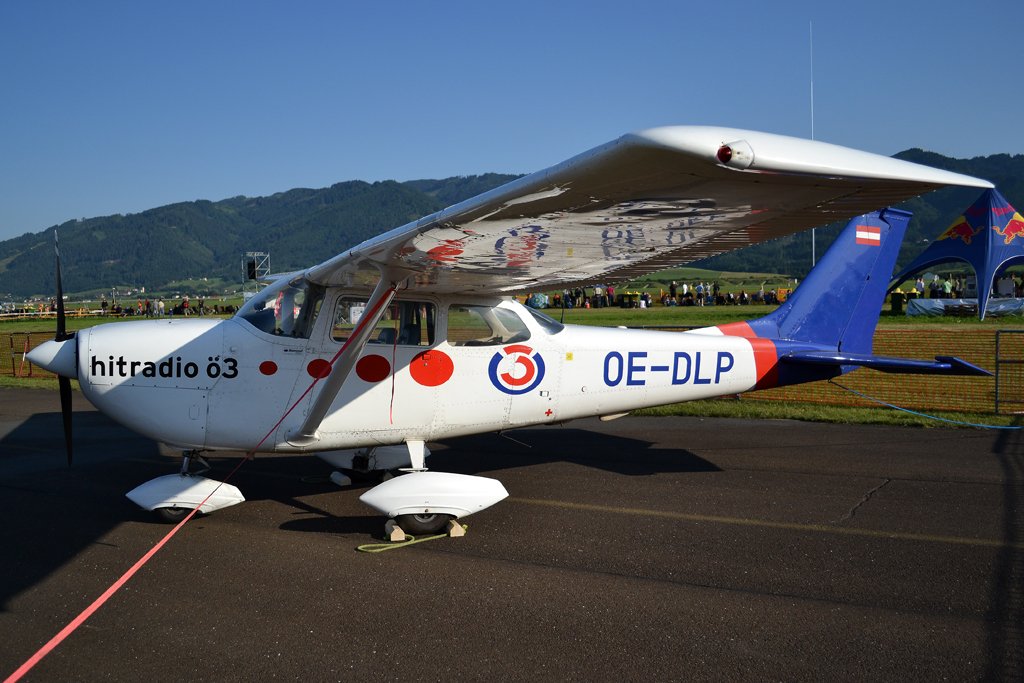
<point x="268" y="367"/>
<point x="431" y="368"/>
<point x="373" y="368"/>
<point x="318" y="367"/>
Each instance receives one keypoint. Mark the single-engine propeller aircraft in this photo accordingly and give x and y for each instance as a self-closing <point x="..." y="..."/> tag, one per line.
<point x="414" y="336"/>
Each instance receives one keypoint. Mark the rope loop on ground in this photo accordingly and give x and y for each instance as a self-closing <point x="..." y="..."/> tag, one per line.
<point x="410" y="540"/>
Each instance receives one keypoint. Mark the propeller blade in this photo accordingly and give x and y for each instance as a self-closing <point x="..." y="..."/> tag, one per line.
<point x="63" y="382"/>
<point x="61" y="330"/>
<point x="65" y="411"/>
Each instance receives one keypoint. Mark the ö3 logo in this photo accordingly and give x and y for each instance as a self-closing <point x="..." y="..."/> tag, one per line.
<point x="523" y="378"/>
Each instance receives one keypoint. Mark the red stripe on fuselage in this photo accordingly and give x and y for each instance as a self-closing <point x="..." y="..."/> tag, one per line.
<point x="740" y="329"/>
<point x="766" y="360"/>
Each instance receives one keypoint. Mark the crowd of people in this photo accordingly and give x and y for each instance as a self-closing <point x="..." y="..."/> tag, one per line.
<point x="156" y="309"/>
<point x="955" y="287"/>
<point x="697" y="294"/>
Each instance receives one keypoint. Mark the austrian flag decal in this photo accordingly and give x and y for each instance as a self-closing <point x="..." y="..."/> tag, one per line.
<point x="867" y="234"/>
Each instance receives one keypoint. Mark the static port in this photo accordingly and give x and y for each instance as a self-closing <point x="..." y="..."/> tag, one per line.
<point x="724" y="154"/>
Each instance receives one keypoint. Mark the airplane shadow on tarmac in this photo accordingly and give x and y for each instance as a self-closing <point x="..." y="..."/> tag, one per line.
<point x="1005" y="618"/>
<point x="52" y="514"/>
<point x="520" y="448"/>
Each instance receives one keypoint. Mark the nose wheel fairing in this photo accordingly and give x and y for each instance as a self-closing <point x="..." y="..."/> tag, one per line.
<point x="185" y="491"/>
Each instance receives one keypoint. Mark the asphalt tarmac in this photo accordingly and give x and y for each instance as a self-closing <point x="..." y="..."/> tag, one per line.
<point x="654" y="549"/>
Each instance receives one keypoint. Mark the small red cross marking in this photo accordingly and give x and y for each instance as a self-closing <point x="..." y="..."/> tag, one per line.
<point x="548" y="412"/>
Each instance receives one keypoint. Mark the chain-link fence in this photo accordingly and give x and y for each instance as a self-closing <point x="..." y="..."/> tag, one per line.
<point x="917" y="392"/>
<point x="14" y="346"/>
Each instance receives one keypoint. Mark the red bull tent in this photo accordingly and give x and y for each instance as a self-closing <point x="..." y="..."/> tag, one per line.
<point x="989" y="236"/>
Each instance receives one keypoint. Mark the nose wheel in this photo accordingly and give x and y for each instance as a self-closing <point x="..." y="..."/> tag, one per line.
<point x="173" y="515"/>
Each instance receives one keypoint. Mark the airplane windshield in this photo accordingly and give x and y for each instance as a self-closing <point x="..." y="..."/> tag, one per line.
<point x="550" y="325"/>
<point x="287" y="308"/>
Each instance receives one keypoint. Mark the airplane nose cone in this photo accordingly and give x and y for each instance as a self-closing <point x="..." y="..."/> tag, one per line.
<point x="58" y="357"/>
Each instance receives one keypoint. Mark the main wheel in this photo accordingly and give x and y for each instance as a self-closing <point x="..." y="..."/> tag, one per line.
<point x="422" y="524"/>
<point x="171" y="515"/>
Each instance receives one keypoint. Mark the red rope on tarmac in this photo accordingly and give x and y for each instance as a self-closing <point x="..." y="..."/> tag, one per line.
<point x="394" y="350"/>
<point x="88" y="611"/>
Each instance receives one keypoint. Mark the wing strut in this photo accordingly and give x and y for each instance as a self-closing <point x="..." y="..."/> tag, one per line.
<point x="341" y="366"/>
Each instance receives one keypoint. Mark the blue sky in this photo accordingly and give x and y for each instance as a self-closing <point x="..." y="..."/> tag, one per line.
<point x="119" y="107"/>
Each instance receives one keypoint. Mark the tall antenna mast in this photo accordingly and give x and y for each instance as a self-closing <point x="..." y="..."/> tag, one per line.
<point x="810" y="26"/>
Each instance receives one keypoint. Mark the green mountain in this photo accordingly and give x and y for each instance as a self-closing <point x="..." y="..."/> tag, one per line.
<point x="933" y="213"/>
<point x="299" y="228"/>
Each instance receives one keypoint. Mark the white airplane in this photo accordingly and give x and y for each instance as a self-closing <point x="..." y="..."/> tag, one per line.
<point x="413" y="336"/>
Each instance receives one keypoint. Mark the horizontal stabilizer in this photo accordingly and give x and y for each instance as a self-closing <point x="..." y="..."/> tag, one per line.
<point x="942" y="365"/>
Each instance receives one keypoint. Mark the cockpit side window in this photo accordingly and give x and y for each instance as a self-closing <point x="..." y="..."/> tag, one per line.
<point x="484" y="326"/>
<point x="287" y="308"/>
<point x="407" y="323"/>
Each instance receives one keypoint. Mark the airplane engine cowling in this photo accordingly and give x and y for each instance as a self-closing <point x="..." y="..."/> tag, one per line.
<point x="420" y="493"/>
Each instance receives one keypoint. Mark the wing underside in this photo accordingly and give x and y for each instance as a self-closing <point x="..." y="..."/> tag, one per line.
<point x="645" y="202"/>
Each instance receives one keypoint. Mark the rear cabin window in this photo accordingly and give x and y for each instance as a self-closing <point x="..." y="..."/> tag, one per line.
<point x="484" y="326"/>
<point x="408" y="323"/>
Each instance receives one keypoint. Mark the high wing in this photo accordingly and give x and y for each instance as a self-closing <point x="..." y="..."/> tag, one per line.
<point x="650" y="200"/>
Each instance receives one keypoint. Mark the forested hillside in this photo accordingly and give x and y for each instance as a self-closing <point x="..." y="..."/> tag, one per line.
<point x="933" y="213"/>
<point x="303" y="227"/>
<point x="299" y="228"/>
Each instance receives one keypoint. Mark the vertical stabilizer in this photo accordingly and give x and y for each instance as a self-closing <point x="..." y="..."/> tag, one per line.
<point x="839" y="301"/>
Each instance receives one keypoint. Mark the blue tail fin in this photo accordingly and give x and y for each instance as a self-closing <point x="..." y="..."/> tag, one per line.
<point x="838" y="303"/>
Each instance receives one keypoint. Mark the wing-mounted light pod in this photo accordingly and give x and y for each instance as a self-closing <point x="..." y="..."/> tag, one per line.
<point x="736" y="154"/>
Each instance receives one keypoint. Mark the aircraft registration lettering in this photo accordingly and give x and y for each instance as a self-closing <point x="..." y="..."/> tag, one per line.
<point x="683" y="368"/>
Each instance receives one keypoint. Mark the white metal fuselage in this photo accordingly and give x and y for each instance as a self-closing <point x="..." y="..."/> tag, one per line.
<point x="223" y="384"/>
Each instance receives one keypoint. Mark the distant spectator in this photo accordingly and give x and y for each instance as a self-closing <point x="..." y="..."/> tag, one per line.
<point x="672" y="289"/>
<point x="103" y="307"/>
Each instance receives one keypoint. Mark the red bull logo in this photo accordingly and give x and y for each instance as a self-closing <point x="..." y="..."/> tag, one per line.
<point x="1013" y="228"/>
<point x="960" y="228"/>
